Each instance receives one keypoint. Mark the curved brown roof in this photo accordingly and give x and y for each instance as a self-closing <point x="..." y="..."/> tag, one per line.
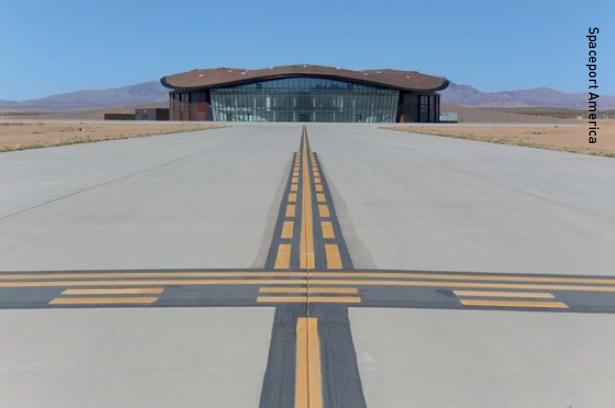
<point x="389" y="78"/>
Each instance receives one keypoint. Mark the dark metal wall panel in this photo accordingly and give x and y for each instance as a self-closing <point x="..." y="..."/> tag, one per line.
<point x="408" y="107"/>
<point x="119" y="116"/>
<point x="152" y="114"/>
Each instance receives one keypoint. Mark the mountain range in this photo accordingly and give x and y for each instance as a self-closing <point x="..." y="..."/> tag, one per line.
<point x="456" y="94"/>
<point x="467" y="95"/>
<point x="139" y="94"/>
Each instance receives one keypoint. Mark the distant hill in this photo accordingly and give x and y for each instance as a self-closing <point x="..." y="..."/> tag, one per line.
<point x="139" y="94"/>
<point x="467" y="95"/>
<point x="153" y="92"/>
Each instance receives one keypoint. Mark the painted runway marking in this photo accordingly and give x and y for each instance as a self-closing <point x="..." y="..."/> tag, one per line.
<point x="327" y="230"/>
<point x="334" y="259"/>
<point x="114" y="291"/>
<point x="513" y="303"/>
<point x="308" y="299"/>
<point x="308" y="370"/>
<point x="290" y="210"/>
<point x="306" y="246"/>
<point x="282" y="260"/>
<point x="313" y="278"/>
<point x="479" y="293"/>
<point x="103" y="300"/>
<point x="420" y="276"/>
<point x="311" y="289"/>
<point x="288" y="229"/>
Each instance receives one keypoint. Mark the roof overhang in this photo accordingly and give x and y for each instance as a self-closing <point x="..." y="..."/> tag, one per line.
<point x="387" y="78"/>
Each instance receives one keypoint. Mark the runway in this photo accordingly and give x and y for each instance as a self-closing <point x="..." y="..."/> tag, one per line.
<point x="354" y="264"/>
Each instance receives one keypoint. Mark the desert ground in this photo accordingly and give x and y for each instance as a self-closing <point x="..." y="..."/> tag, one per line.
<point x="570" y="137"/>
<point x="20" y="135"/>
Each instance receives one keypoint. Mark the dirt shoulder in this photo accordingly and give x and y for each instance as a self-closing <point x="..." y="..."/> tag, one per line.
<point x="16" y="135"/>
<point x="569" y="138"/>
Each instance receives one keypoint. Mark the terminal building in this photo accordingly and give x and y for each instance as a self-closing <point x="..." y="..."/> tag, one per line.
<point x="304" y="93"/>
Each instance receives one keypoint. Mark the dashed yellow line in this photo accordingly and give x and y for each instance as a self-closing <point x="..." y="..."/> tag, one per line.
<point x="308" y="299"/>
<point x="117" y="291"/>
<point x="318" y="188"/>
<point x="292" y="197"/>
<point x="323" y="211"/>
<point x="310" y="290"/>
<point x="327" y="230"/>
<point x="332" y="253"/>
<point x="294" y="188"/>
<point x="321" y="198"/>
<point x="290" y="210"/>
<point x="513" y="303"/>
<point x="103" y="300"/>
<point x="282" y="259"/>
<point x="480" y="293"/>
<point x="287" y="229"/>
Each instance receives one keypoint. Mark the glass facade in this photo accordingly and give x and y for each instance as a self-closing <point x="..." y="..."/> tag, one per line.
<point x="429" y="108"/>
<point x="304" y="99"/>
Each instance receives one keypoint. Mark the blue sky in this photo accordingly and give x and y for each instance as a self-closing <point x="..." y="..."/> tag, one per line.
<point x="64" y="45"/>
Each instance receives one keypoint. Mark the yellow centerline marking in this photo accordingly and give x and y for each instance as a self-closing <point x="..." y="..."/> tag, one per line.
<point x="310" y="289"/>
<point x="282" y="259"/>
<point x="358" y="274"/>
<point x="306" y="248"/>
<point x="302" y="279"/>
<point x="287" y="229"/>
<point x="318" y="188"/>
<point x="292" y="197"/>
<point x="294" y="188"/>
<point x="308" y="299"/>
<point x="103" y="300"/>
<point x="438" y="284"/>
<point x="480" y="293"/>
<point x="290" y="210"/>
<point x="332" y="253"/>
<point x="321" y="198"/>
<point x="323" y="211"/>
<point x="179" y="274"/>
<point x="294" y="180"/>
<point x="513" y="303"/>
<point x="120" y="291"/>
<point x="327" y="229"/>
<point x="468" y="277"/>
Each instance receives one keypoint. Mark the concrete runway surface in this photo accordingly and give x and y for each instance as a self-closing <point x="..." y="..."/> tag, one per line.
<point x="276" y="265"/>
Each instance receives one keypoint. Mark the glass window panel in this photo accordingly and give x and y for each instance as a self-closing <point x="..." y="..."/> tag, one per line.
<point x="307" y="99"/>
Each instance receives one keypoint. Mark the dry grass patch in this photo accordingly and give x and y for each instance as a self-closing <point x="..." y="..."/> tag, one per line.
<point x="32" y="135"/>
<point x="555" y="137"/>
